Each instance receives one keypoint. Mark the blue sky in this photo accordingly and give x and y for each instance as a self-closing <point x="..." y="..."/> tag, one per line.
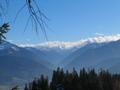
<point x="70" y="20"/>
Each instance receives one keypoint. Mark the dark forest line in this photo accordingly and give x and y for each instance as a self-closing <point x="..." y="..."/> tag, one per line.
<point x="84" y="80"/>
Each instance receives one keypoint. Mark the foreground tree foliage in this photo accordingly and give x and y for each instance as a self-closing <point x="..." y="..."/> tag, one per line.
<point x="3" y="30"/>
<point x="35" y="17"/>
<point x="85" y="80"/>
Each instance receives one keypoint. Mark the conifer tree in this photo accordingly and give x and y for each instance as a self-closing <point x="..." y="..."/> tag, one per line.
<point x="3" y="30"/>
<point x="86" y="80"/>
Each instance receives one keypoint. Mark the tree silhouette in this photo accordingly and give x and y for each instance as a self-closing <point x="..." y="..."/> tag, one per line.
<point x="85" y="80"/>
<point x="3" y="30"/>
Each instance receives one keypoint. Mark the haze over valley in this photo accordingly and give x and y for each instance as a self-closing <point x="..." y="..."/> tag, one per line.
<point x="21" y="63"/>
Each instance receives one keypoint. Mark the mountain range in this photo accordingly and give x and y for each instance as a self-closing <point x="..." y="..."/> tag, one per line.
<point x="21" y="63"/>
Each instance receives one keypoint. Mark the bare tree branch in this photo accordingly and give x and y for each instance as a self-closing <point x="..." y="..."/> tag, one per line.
<point x="36" y="17"/>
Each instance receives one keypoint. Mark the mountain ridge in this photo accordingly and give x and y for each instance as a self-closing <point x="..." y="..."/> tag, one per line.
<point x="75" y="44"/>
<point x="100" y="52"/>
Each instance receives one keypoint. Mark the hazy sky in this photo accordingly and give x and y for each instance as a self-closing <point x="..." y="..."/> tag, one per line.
<point x="70" y="20"/>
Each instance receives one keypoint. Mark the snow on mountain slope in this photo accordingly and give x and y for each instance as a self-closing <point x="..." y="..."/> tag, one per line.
<point x="77" y="44"/>
<point x="58" y="52"/>
<point x="96" y="52"/>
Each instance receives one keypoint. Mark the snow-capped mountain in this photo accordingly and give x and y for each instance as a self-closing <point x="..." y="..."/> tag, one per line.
<point x="77" y="44"/>
<point x="103" y="56"/>
<point x="18" y="61"/>
<point x="58" y="52"/>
